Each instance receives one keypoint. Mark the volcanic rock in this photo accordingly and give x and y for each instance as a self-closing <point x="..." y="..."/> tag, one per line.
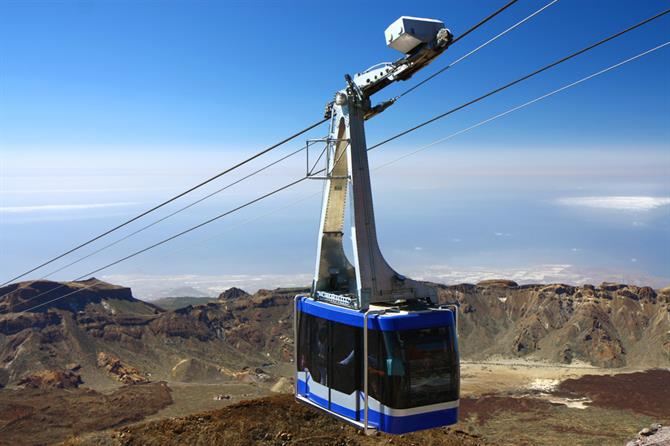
<point x="34" y="417"/>
<point x="73" y="366"/>
<point x="283" y="385"/>
<point x="121" y="372"/>
<point x="51" y="379"/>
<point x="655" y="435"/>
<point x="275" y="420"/>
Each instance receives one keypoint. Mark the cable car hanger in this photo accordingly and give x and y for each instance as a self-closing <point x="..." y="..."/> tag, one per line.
<point x="370" y="279"/>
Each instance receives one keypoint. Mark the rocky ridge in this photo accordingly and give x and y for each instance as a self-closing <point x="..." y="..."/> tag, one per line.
<point x="211" y="342"/>
<point x="612" y="325"/>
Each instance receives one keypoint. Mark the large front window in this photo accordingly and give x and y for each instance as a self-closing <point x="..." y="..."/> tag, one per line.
<point x="412" y="368"/>
<point x="431" y="365"/>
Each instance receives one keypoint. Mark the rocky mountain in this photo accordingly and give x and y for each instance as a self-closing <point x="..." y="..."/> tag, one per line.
<point x="211" y="342"/>
<point x="613" y="325"/>
<point x="240" y="335"/>
<point x="43" y="296"/>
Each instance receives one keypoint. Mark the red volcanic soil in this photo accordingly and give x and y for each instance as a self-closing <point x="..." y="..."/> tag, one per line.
<point x="38" y="416"/>
<point x="271" y="421"/>
<point x="486" y="407"/>
<point x="646" y="393"/>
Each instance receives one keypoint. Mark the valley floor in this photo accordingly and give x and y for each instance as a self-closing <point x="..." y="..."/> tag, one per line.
<point x="505" y="375"/>
<point x="503" y="403"/>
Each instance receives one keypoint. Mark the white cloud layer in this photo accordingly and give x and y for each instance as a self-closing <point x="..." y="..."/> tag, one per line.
<point x="46" y="190"/>
<point x="623" y="203"/>
<point x="541" y="273"/>
<point x="60" y="207"/>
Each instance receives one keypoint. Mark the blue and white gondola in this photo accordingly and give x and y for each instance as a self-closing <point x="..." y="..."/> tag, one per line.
<point x="412" y="364"/>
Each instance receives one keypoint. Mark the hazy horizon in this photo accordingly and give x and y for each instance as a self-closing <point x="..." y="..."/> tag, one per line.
<point x="453" y="220"/>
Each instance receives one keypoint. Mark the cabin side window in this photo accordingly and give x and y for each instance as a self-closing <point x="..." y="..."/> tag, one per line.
<point x="327" y="350"/>
<point x="303" y="343"/>
<point x="313" y="347"/>
<point x="345" y="358"/>
<point x="421" y="367"/>
<point x="318" y="352"/>
<point x="376" y="373"/>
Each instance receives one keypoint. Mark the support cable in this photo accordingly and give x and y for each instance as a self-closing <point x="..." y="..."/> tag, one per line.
<point x="470" y="53"/>
<point x="170" y="200"/>
<point x="471" y="29"/>
<point x="484" y="20"/>
<point x="524" y="105"/>
<point x="522" y="78"/>
<point x="154" y="223"/>
<point x="172" y="237"/>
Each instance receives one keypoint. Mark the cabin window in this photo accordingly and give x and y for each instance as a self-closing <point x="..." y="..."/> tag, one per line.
<point x="421" y="367"/>
<point x="345" y="358"/>
<point x="328" y="351"/>
<point x="318" y="352"/>
<point x="313" y="347"/>
<point x="379" y="381"/>
<point x="303" y="342"/>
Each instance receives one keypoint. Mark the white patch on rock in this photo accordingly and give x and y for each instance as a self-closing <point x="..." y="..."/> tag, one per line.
<point x="108" y="307"/>
<point x="544" y="385"/>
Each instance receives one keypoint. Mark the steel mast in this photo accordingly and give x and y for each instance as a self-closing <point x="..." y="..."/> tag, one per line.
<point x="370" y="279"/>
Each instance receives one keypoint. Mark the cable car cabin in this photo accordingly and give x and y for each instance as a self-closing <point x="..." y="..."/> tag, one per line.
<point x="361" y="356"/>
<point x="412" y="364"/>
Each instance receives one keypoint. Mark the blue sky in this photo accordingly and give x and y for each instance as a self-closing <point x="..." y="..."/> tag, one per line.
<point x="108" y="107"/>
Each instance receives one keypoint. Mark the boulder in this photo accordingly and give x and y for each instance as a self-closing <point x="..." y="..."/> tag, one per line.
<point x="51" y="379"/>
<point x="121" y="372"/>
<point x="283" y="385"/>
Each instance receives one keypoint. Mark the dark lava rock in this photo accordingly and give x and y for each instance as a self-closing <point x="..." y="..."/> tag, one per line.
<point x="232" y="293"/>
<point x="498" y="283"/>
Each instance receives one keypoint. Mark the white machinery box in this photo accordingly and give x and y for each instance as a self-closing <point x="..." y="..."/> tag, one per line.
<point x="407" y="33"/>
